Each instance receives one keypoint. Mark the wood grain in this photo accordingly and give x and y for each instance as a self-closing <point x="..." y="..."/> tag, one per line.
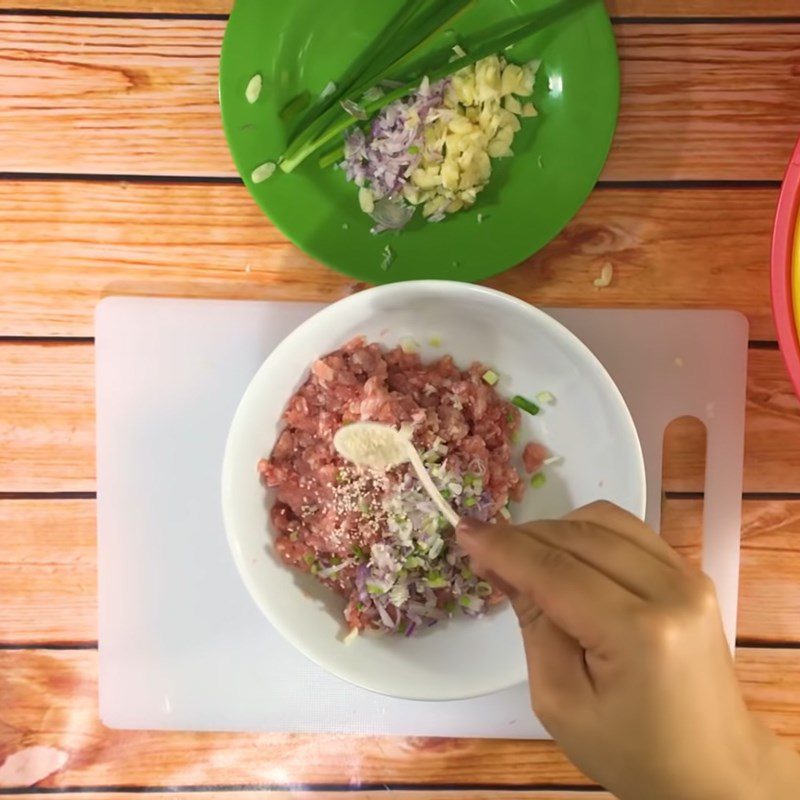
<point x="51" y="701"/>
<point x="700" y="101"/>
<point x="48" y="591"/>
<point x="47" y="434"/>
<point x="378" y="794"/>
<point x="636" y="8"/>
<point x="769" y="579"/>
<point x="48" y="566"/>
<point x="65" y="244"/>
<point x="46" y="417"/>
<point x="141" y="6"/>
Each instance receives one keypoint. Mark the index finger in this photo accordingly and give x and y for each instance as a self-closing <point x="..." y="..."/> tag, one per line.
<point x="583" y="602"/>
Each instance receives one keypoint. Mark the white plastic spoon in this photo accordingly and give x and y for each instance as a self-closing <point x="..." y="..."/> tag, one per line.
<point x="380" y="447"/>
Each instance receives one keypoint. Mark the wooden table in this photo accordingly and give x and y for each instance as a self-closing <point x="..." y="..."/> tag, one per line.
<point x="116" y="179"/>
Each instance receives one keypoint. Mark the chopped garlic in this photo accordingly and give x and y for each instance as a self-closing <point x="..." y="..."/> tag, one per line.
<point x="351" y="637"/>
<point x="366" y="200"/>
<point x="261" y="173"/>
<point x="253" y="91"/>
<point x="606" y="276"/>
<point x="478" y="123"/>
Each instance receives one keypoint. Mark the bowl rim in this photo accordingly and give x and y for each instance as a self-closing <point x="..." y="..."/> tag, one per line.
<point x="787" y="220"/>
<point x="337" y="307"/>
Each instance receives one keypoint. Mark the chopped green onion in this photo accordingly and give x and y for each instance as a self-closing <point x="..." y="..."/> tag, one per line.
<point x="483" y="589"/>
<point x="359" y="554"/>
<point x="353" y="109"/>
<point x="309" y="558"/>
<point x="379" y="60"/>
<point x="408" y="345"/>
<point x="505" y="513"/>
<point x="526" y="405"/>
<point x="410" y="30"/>
<point x="372" y="94"/>
<point x="435" y="580"/>
<point x="435" y="341"/>
<point x="360" y="606"/>
<point x="538" y="480"/>
<point x="327" y="90"/>
<point x="490" y="377"/>
<point x="450" y="606"/>
<point x="510" y="418"/>
<point x="375" y="588"/>
<point x="470" y="501"/>
<point x="545" y="398"/>
<point x="413" y="150"/>
<point x="314" y="568"/>
<point x="331" y="157"/>
<point x="446" y="493"/>
<point x="467" y="573"/>
<point x="294" y="106"/>
<point x="294" y="536"/>
<point x="387" y="258"/>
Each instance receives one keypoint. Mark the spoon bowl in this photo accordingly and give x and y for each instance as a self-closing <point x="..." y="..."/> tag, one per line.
<point x="378" y="447"/>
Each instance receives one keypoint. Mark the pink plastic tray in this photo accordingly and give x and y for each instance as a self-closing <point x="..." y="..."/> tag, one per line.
<point x="786" y="269"/>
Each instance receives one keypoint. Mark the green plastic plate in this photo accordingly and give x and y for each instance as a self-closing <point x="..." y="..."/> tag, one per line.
<point x="304" y="44"/>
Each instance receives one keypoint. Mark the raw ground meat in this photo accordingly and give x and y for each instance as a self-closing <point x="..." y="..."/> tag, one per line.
<point x="328" y="514"/>
<point x="533" y="456"/>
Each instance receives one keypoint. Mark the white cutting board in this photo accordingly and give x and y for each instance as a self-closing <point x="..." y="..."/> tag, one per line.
<point x="182" y="645"/>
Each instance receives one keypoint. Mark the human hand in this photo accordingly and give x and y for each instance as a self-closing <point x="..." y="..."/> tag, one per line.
<point x="628" y="663"/>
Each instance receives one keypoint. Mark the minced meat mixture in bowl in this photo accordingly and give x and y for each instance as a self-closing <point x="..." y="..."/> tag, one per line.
<point x="512" y="415"/>
<point x="378" y="539"/>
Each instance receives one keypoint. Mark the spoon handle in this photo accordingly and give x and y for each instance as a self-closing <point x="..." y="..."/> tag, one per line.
<point x="430" y="487"/>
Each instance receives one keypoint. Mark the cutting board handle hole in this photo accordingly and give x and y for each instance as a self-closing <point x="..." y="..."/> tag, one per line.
<point x="683" y="470"/>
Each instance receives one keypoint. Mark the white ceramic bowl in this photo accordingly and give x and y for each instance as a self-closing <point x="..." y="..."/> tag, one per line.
<point x="589" y="426"/>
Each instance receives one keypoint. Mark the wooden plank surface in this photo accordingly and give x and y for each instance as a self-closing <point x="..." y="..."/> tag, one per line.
<point x="48" y="563"/>
<point x="122" y="96"/>
<point x="65" y="244"/>
<point x="700" y="101"/>
<point x="46" y="417"/>
<point x="635" y="8"/>
<point x="51" y="702"/>
<point x="377" y="794"/>
<point x="47" y="426"/>
<point x="48" y="572"/>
